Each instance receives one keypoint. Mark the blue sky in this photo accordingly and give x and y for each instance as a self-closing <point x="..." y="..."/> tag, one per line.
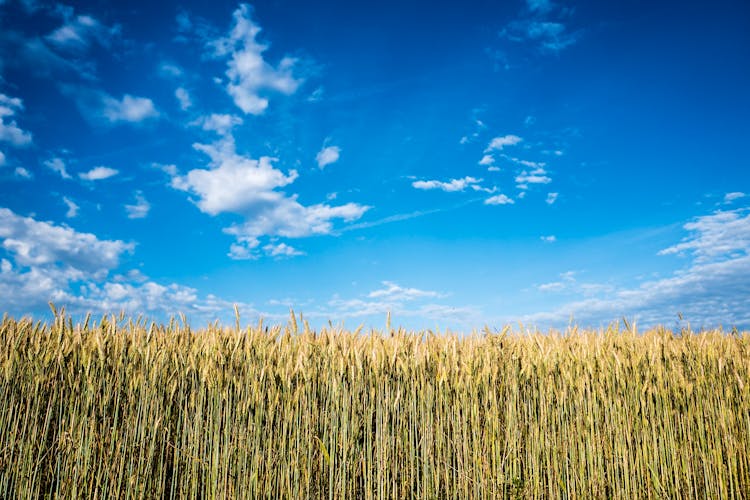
<point x="458" y="164"/>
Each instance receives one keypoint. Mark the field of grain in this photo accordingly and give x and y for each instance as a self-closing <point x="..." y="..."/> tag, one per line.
<point x="122" y="408"/>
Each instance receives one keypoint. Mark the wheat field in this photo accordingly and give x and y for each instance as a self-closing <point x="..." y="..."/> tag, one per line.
<point x="122" y="408"/>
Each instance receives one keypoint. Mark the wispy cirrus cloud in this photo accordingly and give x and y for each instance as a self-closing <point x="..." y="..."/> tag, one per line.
<point x="79" y="31"/>
<point x="543" y="26"/>
<point x="72" y="208"/>
<point x="712" y="289"/>
<point x="58" y="165"/>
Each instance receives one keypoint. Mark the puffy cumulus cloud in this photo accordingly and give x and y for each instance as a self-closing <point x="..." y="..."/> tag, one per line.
<point x="551" y="198"/>
<point x="222" y="124"/>
<point x="712" y="289"/>
<point x="328" y="155"/>
<point x="499" y="199"/>
<point x="279" y="250"/>
<point x="99" y="107"/>
<point x="250" y="75"/>
<point x="34" y="243"/>
<point x="139" y="209"/>
<point x="9" y="130"/>
<point x="41" y="262"/>
<point x="450" y="186"/>
<point x="238" y="184"/>
<point x="499" y="143"/>
<point x="128" y="109"/>
<point x="234" y="183"/>
<point x="98" y="173"/>
<point x="57" y="165"/>
<point x="487" y="160"/>
<point x="289" y="219"/>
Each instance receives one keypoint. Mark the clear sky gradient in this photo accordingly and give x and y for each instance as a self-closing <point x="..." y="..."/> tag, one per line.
<point x="459" y="164"/>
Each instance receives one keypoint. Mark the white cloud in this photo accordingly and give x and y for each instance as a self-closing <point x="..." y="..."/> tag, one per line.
<point x="250" y="75"/>
<point x="493" y="169"/>
<point x="730" y="197"/>
<point x="23" y="173"/>
<point x="170" y="70"/>
<point x="2" y="158"/>
<point x="46" y="262"/>
<point x="281" y="250"/>
<point x="128" y="109"/>
<point x="450" y="186"/>
<point x="57" y="165"/>
<point x="555" y="286"/>
<point x="34" y="243"/>
<point x="530" y="164"/>
<point x="98" y="173"/>
<point x="9" y="129"/>
<point x="394" y="292"/>
<point x="551" y="198"/>
<point x="498" y="143"/>
<point x="79" y="32"/>
<point x="220" y="123"/>
<point x="537" y="176"/>
<point x="238" y="184"/>
<point x="549" y="239"/>
<point x="548" y="36"/>
<point x="499" y="199"/>
<point x="316" y="96"/>
<point x="487" y="160"/>
<point x="72" y="208"/>
<point x="719" y="235"/>
<point x="234" y="183"/>
<point x="139" y="209"/>
<point x="243" y="250"/>
<point x="327" y="155"/>
<point x="713" y="289"/>
<point x="541" y="6"/>
<point x="183" y="97"/>
<point x="170" y="170"/>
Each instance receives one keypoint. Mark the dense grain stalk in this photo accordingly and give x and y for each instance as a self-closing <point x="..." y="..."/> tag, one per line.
<point x="128" y="409"/>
